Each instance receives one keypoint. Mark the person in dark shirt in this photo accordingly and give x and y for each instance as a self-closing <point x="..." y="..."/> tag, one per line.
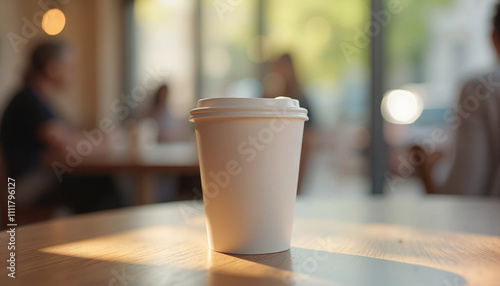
<point x="22" y="121"/>
<point x="30" y="130"/>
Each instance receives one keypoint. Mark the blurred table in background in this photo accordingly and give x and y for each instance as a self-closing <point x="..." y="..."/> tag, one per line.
<point x="432" y="241"/>
<point x="171" y="158"/>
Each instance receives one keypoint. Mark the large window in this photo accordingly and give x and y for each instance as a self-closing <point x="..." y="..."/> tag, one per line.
<point x="335" y="83"/>
<point x="225" y="48"/>
<point x="239" y="40"/>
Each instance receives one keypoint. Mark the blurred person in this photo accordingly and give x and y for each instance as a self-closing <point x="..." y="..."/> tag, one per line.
<point x="31" y="130"/>
<point x="282" y="80"/>
<point x="475" y="159"/>
<point x="170" y="128"/>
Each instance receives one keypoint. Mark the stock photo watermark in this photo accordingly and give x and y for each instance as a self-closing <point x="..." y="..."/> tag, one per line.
<point x="311" y="263"/>
<point x="120" y="277"/>
<point x="379" y="20"/>
<point x="455" y="282"/>
<point x="121" y="108"/>
<point x="31" y="27"/>
<point x="11" y="227"/>
<point x="222" y="7"/>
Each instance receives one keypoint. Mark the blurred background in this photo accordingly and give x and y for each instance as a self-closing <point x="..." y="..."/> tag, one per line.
<point x="372" y="91"/>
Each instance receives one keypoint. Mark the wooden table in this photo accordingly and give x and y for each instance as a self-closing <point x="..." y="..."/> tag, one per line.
<point x="446" y="241"/>
<point x="171" y="158"/>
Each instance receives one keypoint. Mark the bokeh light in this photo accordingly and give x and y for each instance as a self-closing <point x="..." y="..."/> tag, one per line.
<point x="401" y="106"/>
<point x="53" y="21"/>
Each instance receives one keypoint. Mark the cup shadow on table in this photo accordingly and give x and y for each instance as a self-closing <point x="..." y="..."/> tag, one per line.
<point x="301" y="266"/>
<point x="298" y="266"/>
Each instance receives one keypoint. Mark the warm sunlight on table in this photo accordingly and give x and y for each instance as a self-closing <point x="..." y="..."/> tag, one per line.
<point x="439" y="241"/>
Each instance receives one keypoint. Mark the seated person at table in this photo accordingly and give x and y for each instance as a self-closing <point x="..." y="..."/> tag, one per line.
<point x="475" y="162"/>
<point x="170" y="127"/>
<point x="284" y="69"/>
<point x="30" y="129"/>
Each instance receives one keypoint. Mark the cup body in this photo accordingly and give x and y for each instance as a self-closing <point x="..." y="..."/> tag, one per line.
<point x="249" y="170"/>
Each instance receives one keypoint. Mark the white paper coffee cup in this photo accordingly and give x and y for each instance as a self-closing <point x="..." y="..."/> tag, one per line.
<point x="249" y="153"/>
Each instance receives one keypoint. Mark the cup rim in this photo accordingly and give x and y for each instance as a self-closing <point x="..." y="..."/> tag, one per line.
<point x="227" y="107"/>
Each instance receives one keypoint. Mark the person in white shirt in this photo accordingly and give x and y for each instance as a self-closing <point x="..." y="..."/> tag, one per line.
<point x="475" y="162"/>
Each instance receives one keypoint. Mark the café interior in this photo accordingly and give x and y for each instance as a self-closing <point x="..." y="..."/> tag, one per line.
<point x="400" y="156"/>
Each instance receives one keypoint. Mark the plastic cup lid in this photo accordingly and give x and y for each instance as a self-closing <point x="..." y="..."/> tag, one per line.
<point x="248" y="107"/>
